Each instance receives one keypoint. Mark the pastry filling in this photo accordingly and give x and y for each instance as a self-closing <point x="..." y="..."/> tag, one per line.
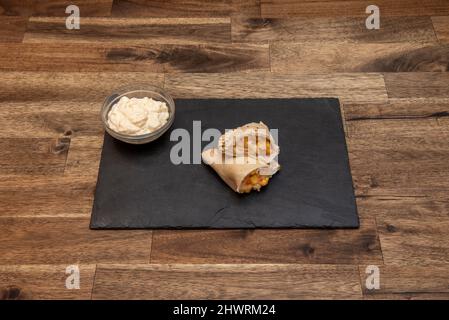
<point x="254" y="181"/>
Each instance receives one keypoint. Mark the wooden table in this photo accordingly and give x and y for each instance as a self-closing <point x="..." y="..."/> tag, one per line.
<point x="394" y="87"/>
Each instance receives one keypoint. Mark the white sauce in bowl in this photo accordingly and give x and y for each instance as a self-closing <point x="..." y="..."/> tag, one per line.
<point x="137" y="116"/>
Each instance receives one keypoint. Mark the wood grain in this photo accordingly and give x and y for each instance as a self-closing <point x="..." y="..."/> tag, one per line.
<point x="150" y="58"/>
<point x="171" y="8"/>
<point x="268" y="246"/>
<point x="409" y="241"/>
<point x="288" y="8"/>
<point x="248" y="8"/>
<point x="344" y="57"/>
<point x="43" y="282"/>
<point x="69" y="241"/>
<point x="412" y="230"/>
<point x="33" y="155"/>
<point x="397" y="109"/>
<point x="226" y="282"/>
<point x="46" y="196"/>
<point x="331" y="29"/>
<point x="76" y="86"/>
<point x="417" y="85"/>
<point x="441" y="26"/>
<point x="406" y="157"/>
<point x="403" y="207"/>
<point x="84" y="156"/>
<point x="137" y="30"/>
<point x="409" y="282"/>
<point x="50" y="119"/>
<point x="393" y="87"/>
<point x="54" y="7"/>
<point x="347" y="87"/>
<point x="395" y="128"/>
<point x="12" y="29"/>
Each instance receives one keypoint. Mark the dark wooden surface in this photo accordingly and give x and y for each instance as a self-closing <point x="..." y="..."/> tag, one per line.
<point x="394" y="88"/>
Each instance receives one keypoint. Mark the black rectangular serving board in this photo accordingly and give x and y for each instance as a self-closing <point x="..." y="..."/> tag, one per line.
<point x="138" y="187"/>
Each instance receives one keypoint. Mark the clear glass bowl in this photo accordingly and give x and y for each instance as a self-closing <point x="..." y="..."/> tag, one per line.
<point x="138" y="91"/>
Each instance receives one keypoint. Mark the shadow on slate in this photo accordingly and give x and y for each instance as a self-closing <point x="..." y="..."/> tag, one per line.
<point x="139" y="187"/>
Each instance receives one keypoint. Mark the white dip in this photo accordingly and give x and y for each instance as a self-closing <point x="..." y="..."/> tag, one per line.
<point x="137" y="116"/>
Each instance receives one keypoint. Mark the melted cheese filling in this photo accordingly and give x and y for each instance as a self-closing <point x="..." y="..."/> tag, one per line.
<point x="254" y="181"/>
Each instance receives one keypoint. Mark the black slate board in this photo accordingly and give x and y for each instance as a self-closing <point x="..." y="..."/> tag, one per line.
<point x="139" y="187"/>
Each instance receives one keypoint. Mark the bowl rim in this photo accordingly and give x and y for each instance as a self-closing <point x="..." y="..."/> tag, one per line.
<point x="138" y="87"/>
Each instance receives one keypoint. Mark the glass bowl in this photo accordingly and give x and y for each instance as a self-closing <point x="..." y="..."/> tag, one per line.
<point x="138" y="91"/>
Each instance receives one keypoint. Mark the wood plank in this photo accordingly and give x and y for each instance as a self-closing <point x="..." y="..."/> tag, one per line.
<point x="344" y="57"/>
<point x="43" y="282"/>
<point x="347" y="87"/>
<point x="381" y="129"/>
<point x="397" y="182"/>
<point x="69" y="241"/>
<point x="150" y="58"/>
<point x="404" y="157"/>
<point x="441" y="26"/>
<point x="248" y="8"/>
<point x="50" y="119"/>
<point x="409" y="282"/>
<point x="54" y="7"/>
<point x="171" y="8"/>
<point x="403" y="207"/>
<point x="413" y="231"/>
<point x="12" y="29"/>
<point x="417" y="85"/>
<point x="331" y="8"/>
<point x="397" y="109"/>
<point x="76" y="86"/>
<point x="268" y="246"/>
<point x="405" y="183"/>
<point x="33" y="155"/>
<point x="46" y="196"/>
<point x="341" y="29"/>
<point x="135" y="30"/>
<point x="84" y="156"/>
<point x="226" y="282"/>
<point x="412" y="241"/>
<point x="180" y="8"/>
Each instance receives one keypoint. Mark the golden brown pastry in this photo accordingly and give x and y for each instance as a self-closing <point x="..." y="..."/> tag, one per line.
<point x="245" y="157"/>
<point x="252" y="140"/>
